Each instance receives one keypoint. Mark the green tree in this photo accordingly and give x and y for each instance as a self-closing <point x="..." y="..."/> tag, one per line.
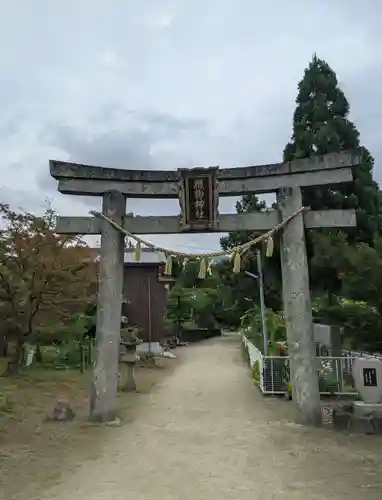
<point x="321" y="125"/>
<point x="178" y="306"/>
<point x="362" y="274"/>
<point x="196" y="305"/>
<point x="248" y="203"/>
<point x="358" y="267"/>
<point x="341" y="263"/>
<point x="328" y="261"/>
<point x="244" y="288"/>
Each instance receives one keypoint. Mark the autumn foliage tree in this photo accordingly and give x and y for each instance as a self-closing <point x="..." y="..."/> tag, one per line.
<point x="44" y="277"/>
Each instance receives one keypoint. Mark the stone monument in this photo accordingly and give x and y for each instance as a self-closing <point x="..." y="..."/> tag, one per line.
<point x="329" y="337"/>
<point x="367" y="374"/>
<point x="365" y="416"/>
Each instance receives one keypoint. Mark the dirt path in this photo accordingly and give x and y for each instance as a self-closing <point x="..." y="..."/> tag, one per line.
<point x="207" y="433"/>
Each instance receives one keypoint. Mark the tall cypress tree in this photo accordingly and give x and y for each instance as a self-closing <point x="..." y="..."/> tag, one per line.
<point x="321" y="125"/>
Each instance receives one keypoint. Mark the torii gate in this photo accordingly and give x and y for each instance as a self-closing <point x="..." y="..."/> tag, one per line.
<point x="286" y="179"/>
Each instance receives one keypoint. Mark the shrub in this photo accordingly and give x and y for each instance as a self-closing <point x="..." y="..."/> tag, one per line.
<point x="190" y="325"/>
<point x="256" y="372"/>
<point x="361" y="322"/>
<point x="252" y="327"/>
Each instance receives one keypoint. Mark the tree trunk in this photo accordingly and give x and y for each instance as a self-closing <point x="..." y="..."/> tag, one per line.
<point x="82" y="357"/>
<point x="3" y="345"/>
<point x="38" y="354"/>
<point x="14" y="365"/>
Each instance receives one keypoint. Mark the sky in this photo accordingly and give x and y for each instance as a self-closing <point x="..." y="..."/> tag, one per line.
<point x="163" y="84"/>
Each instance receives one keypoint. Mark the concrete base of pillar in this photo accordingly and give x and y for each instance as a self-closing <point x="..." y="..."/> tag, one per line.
<point x="359" y="418"/>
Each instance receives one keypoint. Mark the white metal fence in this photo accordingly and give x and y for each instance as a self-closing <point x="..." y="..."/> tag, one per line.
<point x="334" y="373"/>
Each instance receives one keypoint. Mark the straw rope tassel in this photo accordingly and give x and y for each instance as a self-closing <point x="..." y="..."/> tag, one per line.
<point x="270" y="247"/>
<point x="237" y="263"/>
<point x="202" y="269"/>
<point x="138" y="251"/>
<point x="168" y="266"/>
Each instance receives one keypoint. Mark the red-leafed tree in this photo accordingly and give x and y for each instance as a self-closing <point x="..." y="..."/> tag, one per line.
<point x="43" y="276"/>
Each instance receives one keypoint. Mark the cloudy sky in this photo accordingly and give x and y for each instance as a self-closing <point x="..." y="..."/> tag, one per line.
<point x="159" y="84"/>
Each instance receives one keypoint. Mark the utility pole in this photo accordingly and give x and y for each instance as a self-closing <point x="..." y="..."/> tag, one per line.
<point x="260" y="278"/>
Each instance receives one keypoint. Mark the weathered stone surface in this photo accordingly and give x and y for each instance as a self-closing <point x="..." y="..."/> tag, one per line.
<point x="66" y="170"/>
<point x="377" y="422"/>
<point x="103" y="402"/>
<point x="230" y="187"/>
<point x="361" y="409"/>
<point x="367" y="373"/>
<point x="328" y="336"/>
<point x="298" y="311"/>
<point x="341" y="420"/>
<point x="341" y="416"/>
<point x="170" y="224"/>
<point x="127" y="377"/>
<point x="358" y="417"/>
<point x="362" y="425"/>
<point x="127" y="355"/>
<point x="62" y="412"/>
<point x="343" y="407"/>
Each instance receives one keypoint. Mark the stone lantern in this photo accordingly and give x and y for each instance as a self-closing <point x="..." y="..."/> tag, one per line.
<point x="127" y="360"/>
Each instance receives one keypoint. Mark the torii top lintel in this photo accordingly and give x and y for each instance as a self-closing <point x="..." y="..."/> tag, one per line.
<point x="66" y="170"/>
<point x="94" y="180"/>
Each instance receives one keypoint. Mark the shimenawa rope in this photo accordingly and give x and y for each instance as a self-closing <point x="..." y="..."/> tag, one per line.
<point x="205" y="266"/>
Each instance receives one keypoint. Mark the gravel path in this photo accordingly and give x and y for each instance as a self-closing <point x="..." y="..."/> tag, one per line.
<point x="207" y="433"/>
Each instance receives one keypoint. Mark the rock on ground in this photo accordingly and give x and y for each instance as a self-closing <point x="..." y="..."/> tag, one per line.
<point x="62" y="412"/>
<point x="208" y="433"/>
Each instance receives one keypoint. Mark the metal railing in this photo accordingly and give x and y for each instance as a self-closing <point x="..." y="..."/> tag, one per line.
<point x="334" y="373"/>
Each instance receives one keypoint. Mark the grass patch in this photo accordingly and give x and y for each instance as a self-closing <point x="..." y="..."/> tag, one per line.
<point x="25" y="401"/>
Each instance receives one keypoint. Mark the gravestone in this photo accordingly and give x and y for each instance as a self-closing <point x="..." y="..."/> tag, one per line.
<point x="364" y="417"/>
<point x="328" y="336"/>
<point x="367" y="374"/>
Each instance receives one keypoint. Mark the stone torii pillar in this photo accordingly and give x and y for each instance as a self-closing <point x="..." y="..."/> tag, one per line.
<point x="298" y="311"/>
<point x="103" y="398"/>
